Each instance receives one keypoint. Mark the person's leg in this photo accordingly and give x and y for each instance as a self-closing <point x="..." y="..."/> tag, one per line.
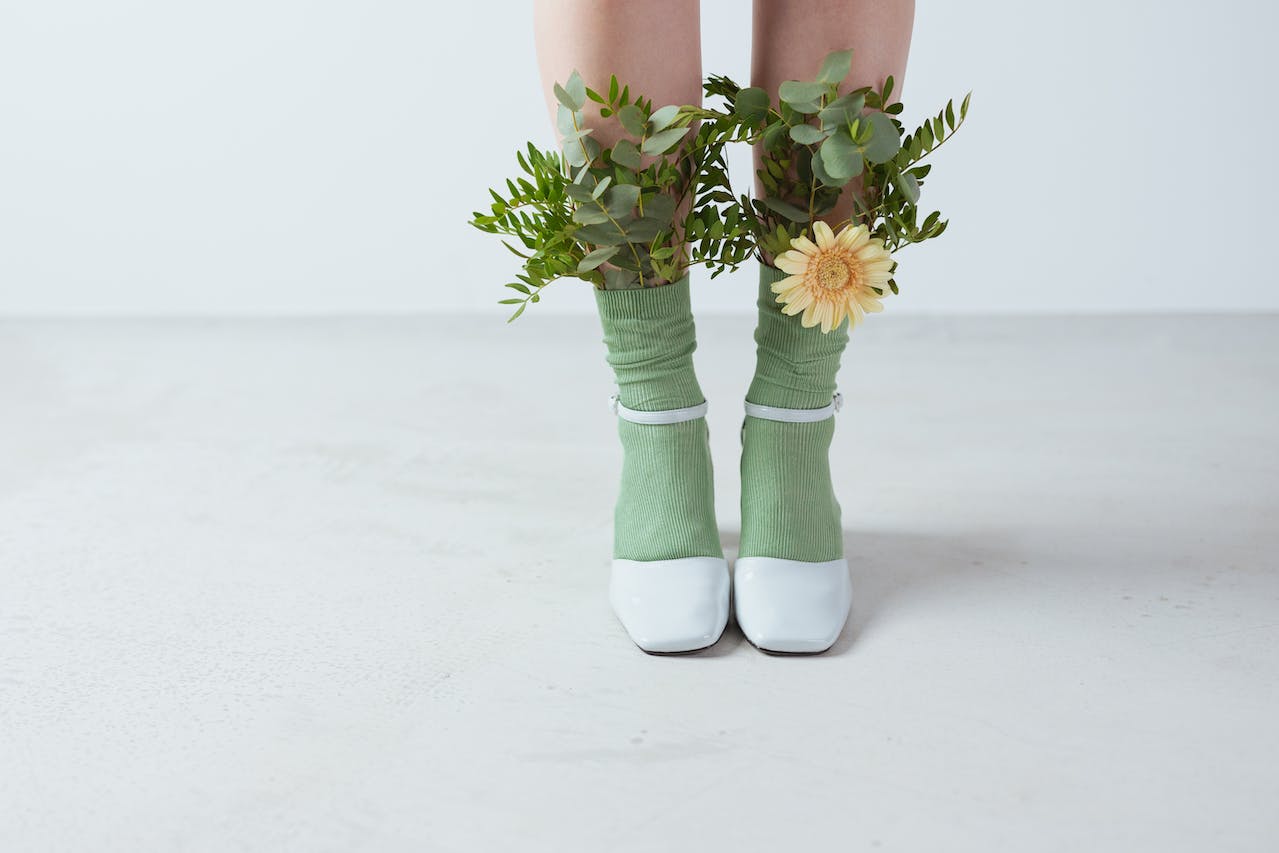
<point x="793" y="36"/>
<point x="670" y="582"/>
<point x="654" y="47"/>
<point x="792" y="580"/>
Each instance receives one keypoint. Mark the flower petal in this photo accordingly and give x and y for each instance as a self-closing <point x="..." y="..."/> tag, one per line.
<point x="792" y="263"/>
<point x="839" y="313"/>
<point x="804" y="245"/>
<point x="825" y="237"/>
<point x="826" y="313"/>
<point x="853" y="237"/>
<point x="801" y="300"/>
<point x="869" y="303"/>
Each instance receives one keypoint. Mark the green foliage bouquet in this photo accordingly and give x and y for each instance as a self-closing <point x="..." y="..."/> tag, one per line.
<point x="659" y="200"/>
<point x="816" y="141"/>
<point x="636" y="214"/>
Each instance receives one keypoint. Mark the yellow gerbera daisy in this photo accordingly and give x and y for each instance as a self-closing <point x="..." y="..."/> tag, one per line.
<point x="834" y="278"/>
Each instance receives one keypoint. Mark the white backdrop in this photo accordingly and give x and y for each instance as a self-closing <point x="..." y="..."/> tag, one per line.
<point x="315" y="157"/>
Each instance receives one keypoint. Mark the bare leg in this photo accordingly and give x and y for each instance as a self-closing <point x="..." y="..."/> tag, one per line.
<point x="793" y="36"/>
<point x="653" y="46"/>
<point x="670" y="583"/>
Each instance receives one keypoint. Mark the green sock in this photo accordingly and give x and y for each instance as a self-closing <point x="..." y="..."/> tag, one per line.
<point x="666" y="501"/>
<point x="788" y="505"/>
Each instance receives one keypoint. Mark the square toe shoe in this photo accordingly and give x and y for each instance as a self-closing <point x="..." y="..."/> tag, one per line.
<point x="670" y="606"/>
<point x="790" y="606"/>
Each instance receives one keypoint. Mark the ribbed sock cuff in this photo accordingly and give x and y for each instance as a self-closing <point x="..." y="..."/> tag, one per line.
<point x="650" y="337"/>
<point x="666" y="301"/>
<point x="795" y="368"/>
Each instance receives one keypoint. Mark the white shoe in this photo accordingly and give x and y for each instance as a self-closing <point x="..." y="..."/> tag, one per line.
<point x="791" y="606"/>
<point x="670" y="606"/>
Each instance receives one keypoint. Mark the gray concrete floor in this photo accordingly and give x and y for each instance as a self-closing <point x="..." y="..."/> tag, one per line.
<point x="340" y="585"/>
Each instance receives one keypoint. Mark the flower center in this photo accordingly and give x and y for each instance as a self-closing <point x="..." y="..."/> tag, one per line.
<point x="832" y="272"/>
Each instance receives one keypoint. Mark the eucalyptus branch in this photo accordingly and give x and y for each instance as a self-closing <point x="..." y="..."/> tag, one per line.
<point x="602" y="216"/>
<point x="815" y="140"/>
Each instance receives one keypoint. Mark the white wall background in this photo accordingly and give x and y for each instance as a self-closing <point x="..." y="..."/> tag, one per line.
<point x="280" y="156"/>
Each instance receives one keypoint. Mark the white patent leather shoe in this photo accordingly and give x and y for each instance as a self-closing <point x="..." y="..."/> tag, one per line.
<point x="671" y="606"/>
<point x="790" y="606"/>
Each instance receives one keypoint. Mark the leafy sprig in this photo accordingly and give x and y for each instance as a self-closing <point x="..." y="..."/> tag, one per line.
<point x="658" y="201"/>
<point x="816" y="141"/>
<point x="636" y="214"/>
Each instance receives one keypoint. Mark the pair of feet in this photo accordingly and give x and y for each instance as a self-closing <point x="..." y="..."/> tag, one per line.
<point x="671" y="586"/>
<point x="682" y="605"/>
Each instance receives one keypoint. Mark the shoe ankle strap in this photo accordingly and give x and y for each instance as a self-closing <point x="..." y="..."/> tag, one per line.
<point x="669" y="416"/>
<point x="795" y="416"/>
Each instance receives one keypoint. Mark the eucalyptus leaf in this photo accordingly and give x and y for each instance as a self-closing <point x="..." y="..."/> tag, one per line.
<point x="574" y="156"/>
<point x="660" y="208"/>
<point x="794" y="92"/>
<point x="632" y="118"/>
<point x="621" y="200"/>
<point x="806" y="134"/>
<point x="840" y="157"/>
<point x="576" y="90"/>
<point x="626" y="154"/>
<point x="827" y="179"/>
<point x="842" y="111"/>
<point x="620" y="280"/>
<point x="751" y="105"/>
<point x="660" y="143"/>
<point x="566" y="99"/>
<point x="597" y="257"/>
<point x="605" y="234"/>
<point x="644" y="230"/>
<point x="589" y="215"/>
<point x="627" y="260"/>
<point x="884" y="141"/>
<point x="775" y="132"/>
<point x="835" y="66"/>
<point x="564" y="120"/>
<point x="661" y="119"/>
